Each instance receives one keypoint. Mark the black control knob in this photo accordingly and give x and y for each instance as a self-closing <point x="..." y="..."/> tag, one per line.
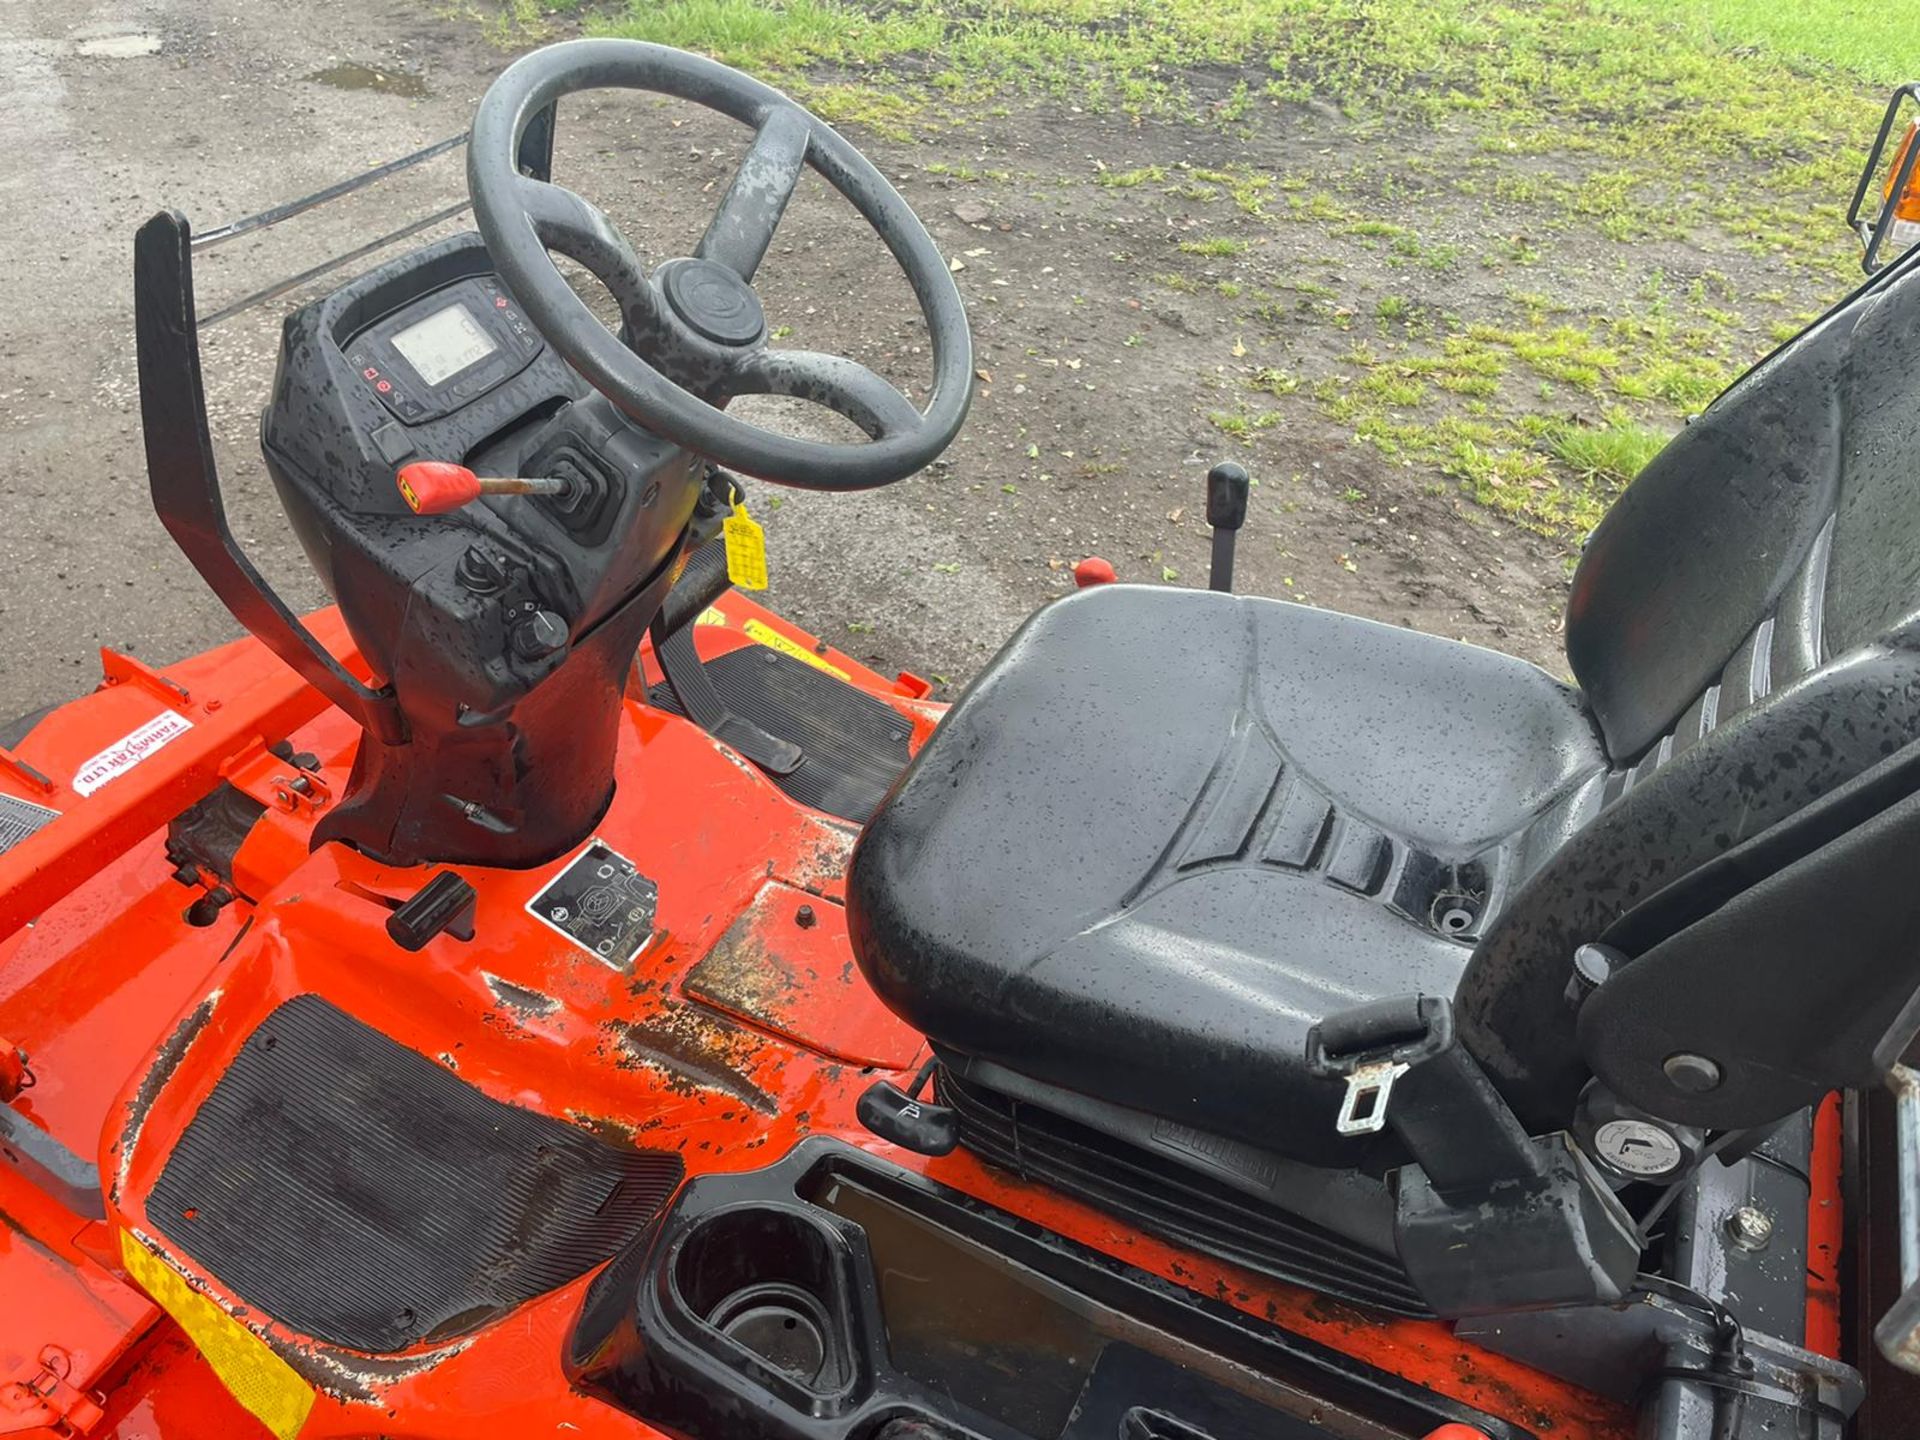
<point x="1227" y="485"/>
<point x="1593" y="966"/>
<point x="446" y="902"/>
<point x="922" y="1126"/>
<point x="481" y="571"/>
<point x="539" y="635"/>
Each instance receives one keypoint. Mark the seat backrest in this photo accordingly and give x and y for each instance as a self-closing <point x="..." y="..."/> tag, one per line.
<point x="1746" y="626"/>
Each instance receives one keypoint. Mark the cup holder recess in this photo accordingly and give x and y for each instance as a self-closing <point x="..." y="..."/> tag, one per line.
<point x="766" y="1289"/>
<point x="786" y="1327"/>
<point x="832" y="1296"/>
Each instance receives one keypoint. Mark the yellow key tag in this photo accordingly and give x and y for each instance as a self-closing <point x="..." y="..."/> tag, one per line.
<point x="746" y="549"/>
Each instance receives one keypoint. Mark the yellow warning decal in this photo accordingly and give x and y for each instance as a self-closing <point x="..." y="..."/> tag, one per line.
<point x="746" y="548"/>
<point x="260" y="1380"/>
<point x="711" y="616"/>
<point x="774" y="640"/>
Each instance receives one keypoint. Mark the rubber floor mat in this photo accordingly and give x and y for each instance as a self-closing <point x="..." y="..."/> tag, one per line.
<point x="359" y="1193"/>
<point x="854" y="745"/>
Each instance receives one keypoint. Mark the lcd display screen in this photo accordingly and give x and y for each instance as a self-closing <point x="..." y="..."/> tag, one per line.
<point x="444" y="344"/>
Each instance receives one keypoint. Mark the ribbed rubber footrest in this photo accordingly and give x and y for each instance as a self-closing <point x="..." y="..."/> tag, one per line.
<point x="357" y="1192"/>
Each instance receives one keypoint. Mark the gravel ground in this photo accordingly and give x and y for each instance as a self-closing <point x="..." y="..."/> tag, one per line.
<point x="1088" y="434"/>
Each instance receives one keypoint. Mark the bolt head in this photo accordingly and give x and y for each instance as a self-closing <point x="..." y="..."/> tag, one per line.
<point x="1749" y="1227"/>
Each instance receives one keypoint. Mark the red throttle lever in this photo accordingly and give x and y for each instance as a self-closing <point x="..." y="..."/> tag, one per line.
<point x="434" y="487"/>
<point x="1093" y="571"/>
<point x="14" y="1074"/>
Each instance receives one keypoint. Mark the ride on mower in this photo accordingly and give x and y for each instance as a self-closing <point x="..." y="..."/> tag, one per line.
<point x="550" y="994"/>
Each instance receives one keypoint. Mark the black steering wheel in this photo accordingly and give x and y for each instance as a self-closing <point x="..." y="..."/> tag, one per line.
<point x="696" y="321"/>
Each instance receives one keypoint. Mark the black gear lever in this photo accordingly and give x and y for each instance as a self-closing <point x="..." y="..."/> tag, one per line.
<point x="1227" y="485"/>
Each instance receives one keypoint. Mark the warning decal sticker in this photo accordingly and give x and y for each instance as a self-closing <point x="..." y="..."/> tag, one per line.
<point x="774" y="640"/>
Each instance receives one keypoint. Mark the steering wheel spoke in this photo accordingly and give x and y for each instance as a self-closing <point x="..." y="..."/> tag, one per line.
<point x="843" y="386"/>
<point x="742" y="228"/>
<point x="572" y="225"/>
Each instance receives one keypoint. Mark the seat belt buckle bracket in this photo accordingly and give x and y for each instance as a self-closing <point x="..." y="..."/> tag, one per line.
<point x="1363" y="1109"/>
<point x="1371" y="1047"/>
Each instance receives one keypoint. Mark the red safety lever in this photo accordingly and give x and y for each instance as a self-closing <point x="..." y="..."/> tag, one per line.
<point x="1093" y="571"/>
<point x="14" y="1074"/>
<point x="434" y="487"/>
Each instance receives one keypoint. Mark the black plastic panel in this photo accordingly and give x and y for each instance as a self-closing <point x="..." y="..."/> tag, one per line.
<point x="357" y="1192"/>
<point x="918" y="1313"/>
<point x="854" y="746"/>
<point x="501" y="746"/>
<point x="381" y="367"/>
<point x="1172" y="1199"/>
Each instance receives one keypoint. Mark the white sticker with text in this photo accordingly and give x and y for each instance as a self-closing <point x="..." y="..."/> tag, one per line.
<point x="129" y="751"/>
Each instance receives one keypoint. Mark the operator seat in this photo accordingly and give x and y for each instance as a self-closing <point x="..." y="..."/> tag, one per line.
<point x="1165" y="833"/>
<point x="1168" y="830"/>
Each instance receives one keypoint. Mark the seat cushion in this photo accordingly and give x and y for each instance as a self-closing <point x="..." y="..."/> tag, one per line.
<point x="1165" y="831"/>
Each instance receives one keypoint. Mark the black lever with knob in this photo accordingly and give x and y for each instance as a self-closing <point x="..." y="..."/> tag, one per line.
<point x="1227" y="485"/>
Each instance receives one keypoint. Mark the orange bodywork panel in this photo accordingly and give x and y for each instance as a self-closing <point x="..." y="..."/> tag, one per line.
<point x="743" y="1027"/>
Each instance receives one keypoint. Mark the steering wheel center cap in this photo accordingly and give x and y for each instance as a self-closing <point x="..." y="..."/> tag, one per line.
<point x="713" y="301"/>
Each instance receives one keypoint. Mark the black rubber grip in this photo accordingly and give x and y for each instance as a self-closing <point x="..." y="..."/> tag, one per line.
<point x="436" y="905"/>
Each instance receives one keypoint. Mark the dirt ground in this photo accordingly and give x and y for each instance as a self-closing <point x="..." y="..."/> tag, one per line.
<point x="1090" y="432"/>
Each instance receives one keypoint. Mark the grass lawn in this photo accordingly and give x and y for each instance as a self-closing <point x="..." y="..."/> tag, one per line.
<point x="1656" y="186"/>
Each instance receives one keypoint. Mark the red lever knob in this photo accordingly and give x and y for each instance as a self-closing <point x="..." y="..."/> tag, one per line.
<point x="1093" y="571"/>
<point x="14" y="1075"/>
<point x="1456" y="1431"/>
<point x="433" y="487"/>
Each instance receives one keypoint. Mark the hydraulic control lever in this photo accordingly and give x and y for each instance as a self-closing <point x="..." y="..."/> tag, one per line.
<point x="1227" y="485"/>
<point x="438" y="487"/>
<point x="925" y="1127"/>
